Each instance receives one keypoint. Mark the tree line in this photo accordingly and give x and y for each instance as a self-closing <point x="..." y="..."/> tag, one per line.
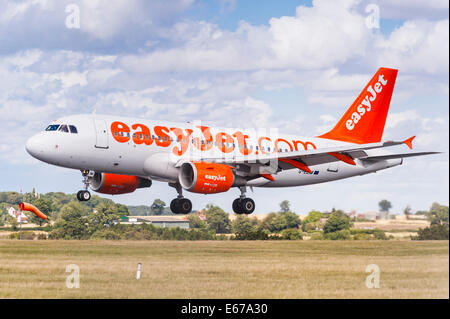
<point x="98" y="219"/>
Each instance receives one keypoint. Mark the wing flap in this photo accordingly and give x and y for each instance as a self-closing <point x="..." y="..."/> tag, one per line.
<point x="310" y="157"/>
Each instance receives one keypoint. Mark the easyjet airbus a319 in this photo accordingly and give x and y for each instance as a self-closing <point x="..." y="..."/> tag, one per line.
<point x="117" y="155"/>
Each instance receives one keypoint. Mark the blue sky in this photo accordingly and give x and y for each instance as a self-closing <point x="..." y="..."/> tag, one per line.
<point x="295" y="65"/>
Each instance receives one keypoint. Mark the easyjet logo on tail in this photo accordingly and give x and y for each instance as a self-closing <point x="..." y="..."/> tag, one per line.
<point x="366" y="103"/>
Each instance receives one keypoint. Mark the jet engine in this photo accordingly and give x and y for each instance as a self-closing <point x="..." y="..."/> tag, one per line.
<point x="114" y="184"/>
<point x="205" y="178"/>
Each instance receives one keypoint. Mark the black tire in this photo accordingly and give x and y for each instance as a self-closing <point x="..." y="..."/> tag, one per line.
<point x="175" y="206"/>
<point x="185" y="206"/>
<point x="85" y="196"/>
<point x="79" y="196"/>
<point x="237" y="207"/>
<point x="247" y="206"/>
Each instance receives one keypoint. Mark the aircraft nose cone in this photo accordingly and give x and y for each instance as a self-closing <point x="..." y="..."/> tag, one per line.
<point x="34" y="145"/>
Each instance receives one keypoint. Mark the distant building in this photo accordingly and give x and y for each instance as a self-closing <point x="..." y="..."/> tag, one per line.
<point x="383" y="215"/>
<point x="17" y="214"/>
<point x="367" y="215"/>
<point x="160" y="221"/>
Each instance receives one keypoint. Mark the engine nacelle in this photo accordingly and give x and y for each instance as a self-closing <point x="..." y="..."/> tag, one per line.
<point x="205" y="178"/>
<point x="114" y="184"/>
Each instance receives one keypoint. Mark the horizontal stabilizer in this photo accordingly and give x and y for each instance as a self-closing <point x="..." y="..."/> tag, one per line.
<point x="393" y="156"/>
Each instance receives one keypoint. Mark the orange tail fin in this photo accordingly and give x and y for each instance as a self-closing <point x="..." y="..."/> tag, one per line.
<point x="365" y="119"/>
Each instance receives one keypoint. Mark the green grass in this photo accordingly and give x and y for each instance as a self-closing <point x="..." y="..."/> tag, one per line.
<point x="224" y="269"/>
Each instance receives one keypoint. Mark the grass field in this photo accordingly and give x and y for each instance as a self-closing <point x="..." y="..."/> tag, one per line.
<point x="224" y="269"/>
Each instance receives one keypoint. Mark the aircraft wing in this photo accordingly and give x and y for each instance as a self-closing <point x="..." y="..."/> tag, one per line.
<point x="393" y="156"/>
<point x="274" y="162"/>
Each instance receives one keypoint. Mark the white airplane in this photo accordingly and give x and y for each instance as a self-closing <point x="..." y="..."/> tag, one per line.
<point x="117" y="155"/>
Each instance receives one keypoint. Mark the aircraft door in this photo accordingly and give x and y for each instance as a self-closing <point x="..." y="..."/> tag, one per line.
<point x="101" y="134"/>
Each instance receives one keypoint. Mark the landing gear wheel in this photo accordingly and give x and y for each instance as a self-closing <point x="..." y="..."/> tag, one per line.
<point x="237" y="207"/>
<point x="247" y="205"/>
<point x="185" y="206"/>
<point x="174" y="206"/>
<point x="83" y="196"/>
<point x="181" y="206"/>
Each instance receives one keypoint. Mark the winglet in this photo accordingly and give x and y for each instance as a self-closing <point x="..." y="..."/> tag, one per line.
<point x="409" y="141"/>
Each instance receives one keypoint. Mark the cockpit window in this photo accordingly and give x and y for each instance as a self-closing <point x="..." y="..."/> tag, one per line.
<point x="73" y="129"/>
<point x="52" y="127"/>
<point x="64" y="128"/>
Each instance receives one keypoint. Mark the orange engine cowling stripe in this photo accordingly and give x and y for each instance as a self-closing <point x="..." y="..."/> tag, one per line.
<point x="296" y="164"/>
<point x="31" y="208"/>
<point x="342" y="157"/>
<point x="212" y="178"/>
<point x="119" y="184"/>
<point x="268" y="176"/>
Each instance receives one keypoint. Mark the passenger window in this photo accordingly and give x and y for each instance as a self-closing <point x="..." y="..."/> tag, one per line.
<point x="52" y="127"/>
<point x="73" y="129"/>
<point x="64" y="128"/>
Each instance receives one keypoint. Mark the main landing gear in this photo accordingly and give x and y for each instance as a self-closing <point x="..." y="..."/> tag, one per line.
<point x="243" y="205"/>
<point x="84" y="195"/>
<point x="180" y="205"/>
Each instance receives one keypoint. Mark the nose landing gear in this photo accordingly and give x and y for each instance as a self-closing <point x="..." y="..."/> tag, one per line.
<point x="84" y="195"/>
<point x="243" y="204"/>
<point x="180" y="205"/>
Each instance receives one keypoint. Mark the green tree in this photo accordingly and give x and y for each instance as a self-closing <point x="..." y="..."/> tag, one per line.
<point x="13" y="198"/>
<point x="276" y="222"/>
<point x="285" y="206"/>
<point x="438" y="214"/>
<point x="242" y="224"/>
<point x="313" y="218"/>
<point x="379" y="234"/>
<point x="72" y="210"/>
<point x="104" y="215"/>
<point x="13" y="223"/>
<point x="343" y="234"/>
<point x="196" y="222"/>
<point x="291" y="234"/>
<point x="384" y="205"/>
<point x="71" y="223"/>
<point x="157" y="207"/>
<point x="434" y="232"/>
<point x="217" y="219"/>
<point x="45" y="206"/>
<point x="337" y="221"/>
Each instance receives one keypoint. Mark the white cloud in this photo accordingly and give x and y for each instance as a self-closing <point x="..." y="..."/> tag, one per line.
<point x="68" y="79"/>
<point x="159" y="66"/>
<point x="417" y="46"/>
<point x="395" y="118"/>
<point x="24" y="59"/>
<point x="407" y="9"/>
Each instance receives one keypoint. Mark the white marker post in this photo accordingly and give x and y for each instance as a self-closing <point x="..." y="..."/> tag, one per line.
<point x="138" y="274"/>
